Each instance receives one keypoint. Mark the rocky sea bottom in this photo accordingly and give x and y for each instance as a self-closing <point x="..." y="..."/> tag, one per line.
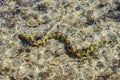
<point x="90" y="27"/>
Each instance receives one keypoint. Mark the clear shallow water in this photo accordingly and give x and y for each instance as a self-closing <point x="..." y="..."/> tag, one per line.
<point x="85" y="26"/>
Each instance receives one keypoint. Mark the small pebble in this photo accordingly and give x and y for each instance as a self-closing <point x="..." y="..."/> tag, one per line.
<point x="24" y="17"/>
<point x="110" y="11"/>
<point x="77" y="8"/>
<point x="118" y="8"/>
<point x="90" y="22"/>
<point x="42" y="7"/>
<point x="20" y="50"/>
<point x="1" y="3"/>
<point x="100" y="65"/>
<point x="36" y="0"/>
<point x="25" y="78"/>
<point x="117" y="18"/>
<point x="64" y="2"/>
<point x="101" y="5"/>
<point x="27" y="50"/>
<point x="12" y="78"/>
<point x="16" y="12"/>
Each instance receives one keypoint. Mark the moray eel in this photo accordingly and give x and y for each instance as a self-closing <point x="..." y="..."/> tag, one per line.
<point x="62" y="38"/>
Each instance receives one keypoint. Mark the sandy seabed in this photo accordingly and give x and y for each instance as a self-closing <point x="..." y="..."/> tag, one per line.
<point x="84" y="22"/>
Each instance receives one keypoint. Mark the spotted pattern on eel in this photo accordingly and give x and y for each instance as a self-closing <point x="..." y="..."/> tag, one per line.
<point x="85" y="52"/>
